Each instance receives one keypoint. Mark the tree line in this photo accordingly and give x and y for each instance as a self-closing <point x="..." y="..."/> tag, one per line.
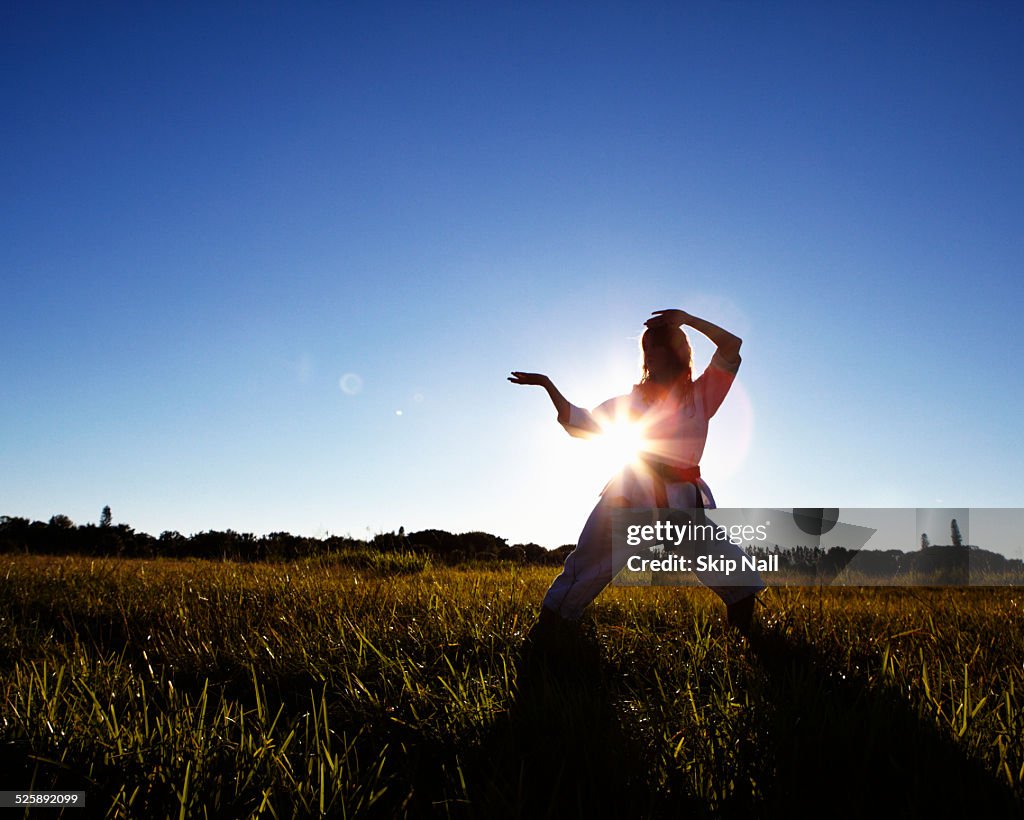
<point x="61" y="536"/>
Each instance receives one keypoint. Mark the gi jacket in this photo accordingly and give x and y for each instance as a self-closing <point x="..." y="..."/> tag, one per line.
<point x="674" y="430"/>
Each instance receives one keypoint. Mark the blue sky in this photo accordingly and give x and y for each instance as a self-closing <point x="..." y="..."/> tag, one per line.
<point x="215" y="214"/>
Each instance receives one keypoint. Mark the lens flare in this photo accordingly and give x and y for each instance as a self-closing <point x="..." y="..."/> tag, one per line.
<point x="621" y="441"/>
<point x="730" y="437"/>
<point x="351" y="384"/>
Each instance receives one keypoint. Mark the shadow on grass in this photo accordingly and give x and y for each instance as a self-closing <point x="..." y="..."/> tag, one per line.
<point x="560" y="751"/>
<point x="816" y="745"/>
<point x="834" y="747"/>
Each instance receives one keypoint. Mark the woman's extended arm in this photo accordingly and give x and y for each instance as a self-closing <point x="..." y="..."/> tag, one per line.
<point x="540" y="380"/>
<point x="560" y="402"/>
<point x="727" y="343"/>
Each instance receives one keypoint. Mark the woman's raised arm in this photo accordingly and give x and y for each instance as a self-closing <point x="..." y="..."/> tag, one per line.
<point x="728" y="344"/>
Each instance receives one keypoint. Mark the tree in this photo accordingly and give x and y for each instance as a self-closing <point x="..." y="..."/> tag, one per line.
<point x="925" y="543"/>
<point x="106" y="519"/>
<point x="954" y="531"/>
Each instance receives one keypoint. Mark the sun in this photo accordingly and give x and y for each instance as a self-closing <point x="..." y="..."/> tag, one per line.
<point x="621" y="442"/>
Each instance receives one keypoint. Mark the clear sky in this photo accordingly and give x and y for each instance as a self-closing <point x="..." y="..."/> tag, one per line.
<point x="267" y="266"/>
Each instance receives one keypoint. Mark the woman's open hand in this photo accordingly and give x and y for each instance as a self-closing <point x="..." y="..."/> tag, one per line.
<point x="561" y="403"/>
<point x="668" y="318"/>
<point x="538" y="379"/>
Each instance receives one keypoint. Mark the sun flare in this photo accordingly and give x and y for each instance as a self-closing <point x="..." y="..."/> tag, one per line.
<point x="621" y="442"/>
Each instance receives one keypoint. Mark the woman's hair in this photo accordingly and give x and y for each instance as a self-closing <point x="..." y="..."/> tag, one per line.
<point x="675" y="341"/>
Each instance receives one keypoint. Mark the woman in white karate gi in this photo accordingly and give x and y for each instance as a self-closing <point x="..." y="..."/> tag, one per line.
<point x="673" y="410"/>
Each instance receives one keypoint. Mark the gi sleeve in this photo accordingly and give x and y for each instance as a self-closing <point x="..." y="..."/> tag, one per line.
<point x="715" y="381"/>
<point x="581" y="423"/>
<point x="585" y="423"/>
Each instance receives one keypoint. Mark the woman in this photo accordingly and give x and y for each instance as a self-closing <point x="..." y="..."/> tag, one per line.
<point x="674" y="411"/>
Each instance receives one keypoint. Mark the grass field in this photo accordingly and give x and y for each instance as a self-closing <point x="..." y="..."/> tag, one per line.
<point x="380" y="686"/>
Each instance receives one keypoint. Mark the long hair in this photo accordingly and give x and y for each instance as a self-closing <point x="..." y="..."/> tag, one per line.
<point x="675" y="341"/>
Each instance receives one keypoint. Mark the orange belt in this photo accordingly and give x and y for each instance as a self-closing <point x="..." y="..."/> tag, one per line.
<point x="663" y="473"/>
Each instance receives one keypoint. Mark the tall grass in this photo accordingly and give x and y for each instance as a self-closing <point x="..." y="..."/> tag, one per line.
<point x="384" y="687"/>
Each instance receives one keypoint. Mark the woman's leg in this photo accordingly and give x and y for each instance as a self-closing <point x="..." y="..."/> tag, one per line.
<point x="588" y="568"/>
<point x="737" y="585"/>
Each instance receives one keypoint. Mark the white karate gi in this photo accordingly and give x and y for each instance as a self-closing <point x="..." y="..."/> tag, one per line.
<point x="675" y="431"/>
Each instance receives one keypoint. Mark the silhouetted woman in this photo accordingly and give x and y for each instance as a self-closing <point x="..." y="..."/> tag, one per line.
<point x="674" y="410"/>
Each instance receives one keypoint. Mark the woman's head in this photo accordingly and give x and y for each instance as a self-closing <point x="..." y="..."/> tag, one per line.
<point x="667" y="355"/>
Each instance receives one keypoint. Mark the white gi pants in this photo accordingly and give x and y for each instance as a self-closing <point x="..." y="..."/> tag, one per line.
<point x="591" y="566"/>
